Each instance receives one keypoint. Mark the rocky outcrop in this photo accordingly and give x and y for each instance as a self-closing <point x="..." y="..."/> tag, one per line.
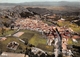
<point x="7" y="16"/>
<point x="15" y="12"/>
<point x="40" y="11"/>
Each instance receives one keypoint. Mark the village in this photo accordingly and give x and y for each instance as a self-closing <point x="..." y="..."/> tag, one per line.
<point x="50" y="32"/>
<point x="33" y="31"/>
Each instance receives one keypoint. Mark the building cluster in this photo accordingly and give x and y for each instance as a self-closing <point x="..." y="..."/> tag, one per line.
<point x="49" y="31"/>
<point x="13" y="45"/>
<point x="30" y="24"/>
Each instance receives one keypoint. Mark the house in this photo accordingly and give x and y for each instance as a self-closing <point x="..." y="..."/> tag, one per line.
<point x="12" y="45"/>
<point x="61" y="20"/>
<point x="8" y="54"/>
<point x="76" y="37"/>
<point x="2" y="38"/>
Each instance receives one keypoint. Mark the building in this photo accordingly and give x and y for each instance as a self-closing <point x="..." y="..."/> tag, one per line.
<point x="61" y="20"/>
<point x="2" y="38"/>
<point x="8" y="54"/>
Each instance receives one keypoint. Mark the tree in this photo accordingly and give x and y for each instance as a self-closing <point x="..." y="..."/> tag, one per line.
<point x="12" y="26"/>
<point x="2" y="31"/>
<point x="42" y="55"/>
<point x="6" y="24"/>
<point x="1" y="47"/>
<point x="27" y="52"/>
<point x="0" y="51"/>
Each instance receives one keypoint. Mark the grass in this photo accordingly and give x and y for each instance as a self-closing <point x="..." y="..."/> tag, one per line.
<point x="46" y="47"/>
<point x="10" y="32"/>
<point x="71" y="25"/>
<point x="66" y="23"/>
<point x="10" y="39"/>
<point x="77" y="44"/>
<point x="37" y="39"/>
<point x="33" y="37"/>
<point x="27" y="35"/>
<point x="7" y="32"/>
<point x="70" y="42"/>
<point x="75" y="29"/>
<point x="49" y="23"/>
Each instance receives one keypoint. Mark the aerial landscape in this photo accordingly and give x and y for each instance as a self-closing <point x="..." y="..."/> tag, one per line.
<point x="45" y="28"/>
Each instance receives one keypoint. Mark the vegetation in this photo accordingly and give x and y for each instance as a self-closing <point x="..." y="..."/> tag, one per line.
<point x="48" y="22"/>
<point x="77" y="44"/>
<point x="46" y="47"/>
<point x="75" y="27"/>
<point x="27" y="36"/>
<point x="70" y="42"/>
<point x="10" y="39"/>
<point x="32" y="37"/>
<point x="36" y="40"/>
<point x="7" y="32"/>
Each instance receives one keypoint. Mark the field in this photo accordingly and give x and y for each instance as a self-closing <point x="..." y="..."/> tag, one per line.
<point x="7" y="32"/>
<point x="34" y="38"/>
<point x="73" y="26"/>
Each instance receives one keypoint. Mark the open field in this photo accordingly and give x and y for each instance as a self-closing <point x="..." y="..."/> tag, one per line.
<point x="71" y="25"/>
<point x="32" y="37"/>
<point x="7" y="32"/>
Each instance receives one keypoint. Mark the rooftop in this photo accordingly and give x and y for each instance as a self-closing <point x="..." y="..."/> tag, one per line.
<point x="7" y="54"/>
